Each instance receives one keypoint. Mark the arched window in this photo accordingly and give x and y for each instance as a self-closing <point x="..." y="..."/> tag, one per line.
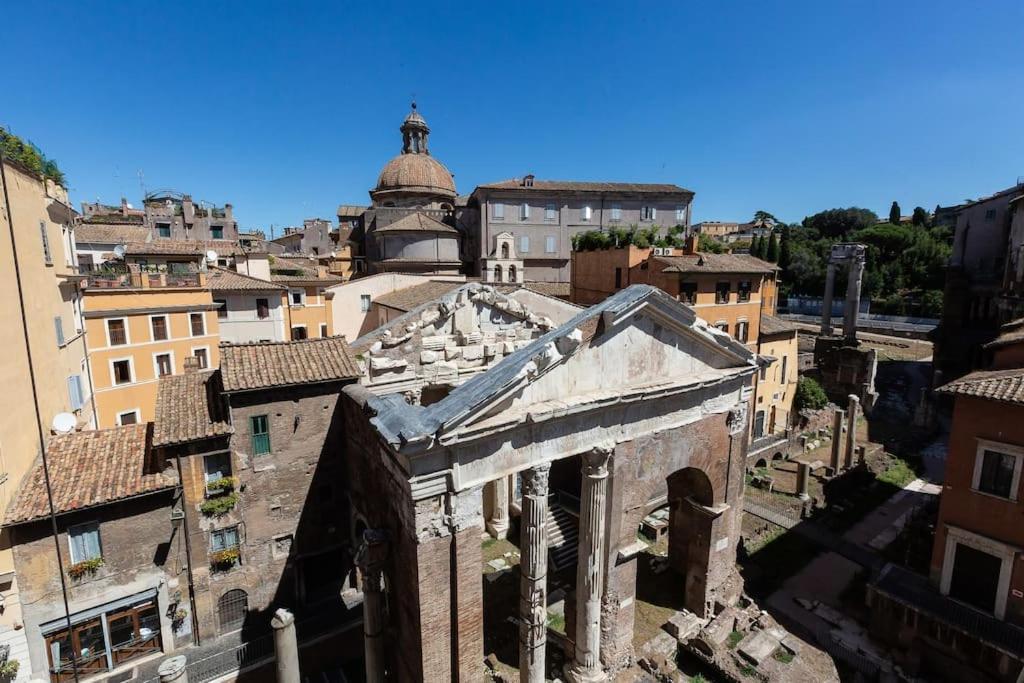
<point x="497" y="273"/>
<point x="504" y="250"/>
<point x="512" y="274"/>
<point x="231" y="610"/>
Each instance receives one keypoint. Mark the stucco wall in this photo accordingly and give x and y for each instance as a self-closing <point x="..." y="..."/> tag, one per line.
<point x="346" y="309"/>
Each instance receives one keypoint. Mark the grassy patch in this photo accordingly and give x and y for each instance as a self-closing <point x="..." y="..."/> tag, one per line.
<point x="556" y="622"/>
<point x="734" y="639"/>
<point x="783" y="656"/>
<point x="898" y="474"/>
<point x="748" y="671"/>
<point x="488" y="543"/>
<point x="698" y="679"/>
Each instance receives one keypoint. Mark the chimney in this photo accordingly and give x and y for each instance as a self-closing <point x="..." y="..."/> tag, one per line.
<point x="528" y="180"/>
<point x="690" y="245"/>
<point x="124" y="207"/>
<point x="191" y="364"/>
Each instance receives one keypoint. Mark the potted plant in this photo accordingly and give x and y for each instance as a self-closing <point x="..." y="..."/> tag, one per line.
<point x="219" y="506"/>
<point x="223" y="560"/>
<point x="80" y="569"/>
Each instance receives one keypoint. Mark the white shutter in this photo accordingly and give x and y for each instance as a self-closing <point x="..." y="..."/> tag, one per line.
<point x="499" y="211"/>
<point x="524" y="211"/>
<point x="524" y="244"/>
<point x="654" y="213"/>
<point x="75" y="392"/>
<point x="549" y="244"/>
<point x="586" y="213"/>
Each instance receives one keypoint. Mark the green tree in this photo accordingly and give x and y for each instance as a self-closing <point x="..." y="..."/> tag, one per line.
<point x="785" y="250"/>
<point x="765" y="218"/>
<point x="894" y="213"/>
<point x="709" y="244"/>
<point x="755" y="245"/>
<point x="920" y="217"/>
<point x="762" y="248"/>
<point x="772" y="252"/>
<point x="809" y="395"/>
<point x="837" y="223"/>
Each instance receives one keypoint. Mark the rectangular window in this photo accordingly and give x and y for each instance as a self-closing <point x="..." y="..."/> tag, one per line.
<point x="223" y="539"/>
<point x="585" y="213"/>
<point x="47" y="256"/>
<point x="296" y="296"/>
<point x="550" y="245"/>
<point x="723" y="326"/>
<point x="524" y="244"/>
<point x="616" y="212"/>
<point x="741" y="331"/>
<point x="997" y="471"/>
<point x="299" y="333"/>
<point x="164" y="366"/>
<point x="524" y="211"/>
<point x="84" y="540"/>
<point x="990" y="215"/>
<point x="129" y="417"/>
<point x="618" y="278"/>
<point x="58" y="327"/>
<point x="688" y="293"/>
<point x="197" y="322"/>
<point x="743" y="293"/>
<point x="680" y="213"/>
<point x="722" y="293"/>
<point x="158" y="326"/>
<point x="163" y="229"/>
<point x="784" y="359"/>
<point x="75" y="394"/>
<point x="204" y="360"/>
<point x="262" y="308"/>
<point x="498" y="212"/>
<point x="648" y="213"/>
<point x="217" y="466"/>
<point x="550" y="212"/>
<point x="323" y="329"/>
<point x="259" y="426"/>
<point x="222" y="308"/>
<point x="364" y="303"/>
<point x="122" y="371"/>
<point x="116" y="332"/>
<point x="216" y="232"/>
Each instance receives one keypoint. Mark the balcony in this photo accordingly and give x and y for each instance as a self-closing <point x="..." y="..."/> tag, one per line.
<point x="134" y="276"/>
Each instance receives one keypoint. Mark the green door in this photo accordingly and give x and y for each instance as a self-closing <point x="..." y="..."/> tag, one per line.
<point x="260" y="429"/>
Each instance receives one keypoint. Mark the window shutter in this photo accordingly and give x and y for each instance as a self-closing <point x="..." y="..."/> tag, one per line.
<point x="549" y="245"/>
<point x="524" y="211"/>
<point x="47" y="256"/>
<point x="499" y="210"/>
<point x="92" y="543"/>
<point x="524" y="244"/>
<point x="586" y="213"/>
<point x="654" y="213"/>
<point x="75" y="392"/>
<point x="58" y="326"/>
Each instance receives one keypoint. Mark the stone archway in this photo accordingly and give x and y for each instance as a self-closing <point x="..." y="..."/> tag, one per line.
<point x="691" y="530"/>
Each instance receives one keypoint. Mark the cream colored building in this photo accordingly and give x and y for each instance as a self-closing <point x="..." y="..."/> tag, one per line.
<point x="776" y="384"/>
<point x="40" y="297"/>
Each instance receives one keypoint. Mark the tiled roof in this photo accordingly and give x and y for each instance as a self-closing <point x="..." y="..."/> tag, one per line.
<point x="417" y="222"/>
<point x="104" y="233"/>
<point x="350" y="211"/>
<point x="229" y="280"/>
<point x="89" y="469"/>
<point x="772" y="325"/>
<point x="996" y="385"/>
<point x="577" y="186"/>
<point x="325" y="281"/>
<point x="189" y="407"/>
<point x="173" y="247"/>
<point x="410" y="297"/>
<point x="561" y="290"/>
<point x="1010" y="333"/>
<point x="715" y="263"/>
<point x="275" y="364"/>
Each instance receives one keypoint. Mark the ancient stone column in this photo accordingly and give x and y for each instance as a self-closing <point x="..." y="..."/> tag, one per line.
<point x="837" y="440"/>
<point x="853" y="299"/>
<point x="590" y="567"/>
<point x="826" y="302"/>
<point x="286" y="647"/>
<point x="851" y="430"/>
<point x="803" y="476"/>
<point x="533" y="570"/>
<point x="173" y="670"/>
<point x="497" y="525"/>
<point x="370" y="558"/>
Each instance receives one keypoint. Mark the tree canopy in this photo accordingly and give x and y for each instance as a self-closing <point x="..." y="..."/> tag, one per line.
<point x="894" y="214"/>
<point x="840" y="222"/>
<point x="29" y="156"/>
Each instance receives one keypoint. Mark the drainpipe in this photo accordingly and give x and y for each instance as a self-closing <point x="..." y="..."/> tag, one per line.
<point x="35" y="402"/>
<point x="188" y="556"/>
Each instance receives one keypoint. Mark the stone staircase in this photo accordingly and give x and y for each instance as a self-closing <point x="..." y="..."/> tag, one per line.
<point x="563" y="538"/>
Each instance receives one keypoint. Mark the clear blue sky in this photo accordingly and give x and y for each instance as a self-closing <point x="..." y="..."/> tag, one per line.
<point x="288" y="109"/>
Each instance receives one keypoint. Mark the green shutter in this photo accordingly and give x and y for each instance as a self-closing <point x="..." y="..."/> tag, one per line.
<point x="260" y="430"/>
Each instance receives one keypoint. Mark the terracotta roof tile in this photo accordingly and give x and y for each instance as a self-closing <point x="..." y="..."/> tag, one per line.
<point x="716" y="263"/>
<point x="229" y="280"/>
<point x="410" y="297"/>
<point x="103" y="233"/>
<point x="417" y="222"/>
<point x="997" y="385"/>
<point x="89" y="469"/>
<point x="350" y="211"/>
<point x="189" y="407"/>
<point x="273" y="364"/>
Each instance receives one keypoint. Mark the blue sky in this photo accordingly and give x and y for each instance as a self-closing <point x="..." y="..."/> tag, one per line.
<point x="288" y="109"/>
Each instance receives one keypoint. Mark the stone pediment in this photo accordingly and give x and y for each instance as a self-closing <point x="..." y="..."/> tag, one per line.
<point x="638" y="340"/>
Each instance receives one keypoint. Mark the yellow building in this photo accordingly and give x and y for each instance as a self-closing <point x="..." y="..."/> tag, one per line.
<point x="40" y="305"/>
<point x="776" y="384"/>
<point x="308" y="307"/>
<point x="144" y="318"/>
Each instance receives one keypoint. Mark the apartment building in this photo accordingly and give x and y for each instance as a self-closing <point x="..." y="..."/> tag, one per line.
<point x="543" y="215"/>
<point x="41" y="312"/>
<point x="248" y="308"/>
<point x="309" y="313"/>
<point x="168" y="215"/>
<point x="144" y="318"/>
<point x="316" y="237"/>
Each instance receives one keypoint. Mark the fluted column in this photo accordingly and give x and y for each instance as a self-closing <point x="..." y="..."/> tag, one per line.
<point x="497" y="525"/>
<point x="837" y="440"/>
<point x="533" y="569"/>
<point x="370" y="558"/>
<point x="851" y="430"/>
<point x="853" y="299"/>
<point x="826" y="303"/>
<point x="590" y="567"/>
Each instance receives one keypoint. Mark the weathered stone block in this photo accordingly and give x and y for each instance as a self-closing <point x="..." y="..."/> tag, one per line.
<point x="475" y="352"/>
<point x="452" y="352"/>
<point x="428" y="357"/>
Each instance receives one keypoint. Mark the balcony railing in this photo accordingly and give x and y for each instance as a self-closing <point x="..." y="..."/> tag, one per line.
<point x="132" y="276"/>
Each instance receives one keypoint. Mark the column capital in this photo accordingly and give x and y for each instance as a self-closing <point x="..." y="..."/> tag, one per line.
<point x="595" y="461"/>
<point x="535" y="480"/>
<point x="370" y="558"/>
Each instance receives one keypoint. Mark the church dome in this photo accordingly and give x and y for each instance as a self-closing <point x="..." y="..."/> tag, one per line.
<point x="414" y="171"/>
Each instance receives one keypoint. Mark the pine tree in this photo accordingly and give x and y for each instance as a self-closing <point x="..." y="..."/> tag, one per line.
<point x="773" y="249"/>
<point x="784" y="249"/>
<point x="755" y="245"/>
<point x="894" y="214"/>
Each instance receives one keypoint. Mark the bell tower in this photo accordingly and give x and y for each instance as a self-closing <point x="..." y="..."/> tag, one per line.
<point x="414" y="133"/>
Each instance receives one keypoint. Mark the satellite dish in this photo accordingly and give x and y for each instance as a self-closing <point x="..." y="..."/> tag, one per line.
<point x="64" y="423"/>
<point x="119" y="251"/>
<point x="334" y="254"/>
<point x="129" y="206"/>
<point x="211" y="256"/>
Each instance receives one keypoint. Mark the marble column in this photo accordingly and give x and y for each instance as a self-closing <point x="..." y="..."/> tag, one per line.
<point x="837" y="440"/>
<point x="803" y="476"/>
<point x="286" y="647"/>
<point x="826" y="303"/>
<point x="586" y="666"/>
<point x="497" y="525"/>
<point x="370" y="558"/>
<point x="853" y="299"/>
<point x="851" y="430"/>
<point x="533" y="571"/>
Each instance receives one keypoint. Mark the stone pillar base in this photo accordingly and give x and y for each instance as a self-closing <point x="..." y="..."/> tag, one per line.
<point x="575" y="675"/>
<point x="498" y="529"/>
